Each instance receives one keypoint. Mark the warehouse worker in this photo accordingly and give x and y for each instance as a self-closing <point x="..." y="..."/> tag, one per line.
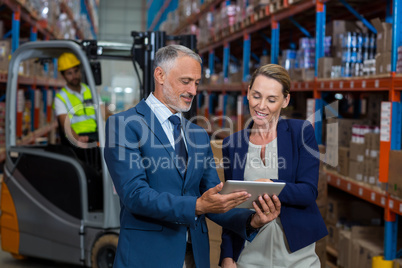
<point x="74" y="107"/>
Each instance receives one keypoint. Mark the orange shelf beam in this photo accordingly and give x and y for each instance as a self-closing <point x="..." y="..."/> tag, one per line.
<point x="361" y="190"/>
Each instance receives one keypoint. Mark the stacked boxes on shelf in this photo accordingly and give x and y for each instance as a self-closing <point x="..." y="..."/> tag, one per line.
<point x="364" y="154"/>
<point x="354" y="229"/>
<point x="399" y="62"/>
<point x="394" y="174"/>
<point x="384" y="46"/>
<point x="5" y="52"/>
<point x="354" y="47"/>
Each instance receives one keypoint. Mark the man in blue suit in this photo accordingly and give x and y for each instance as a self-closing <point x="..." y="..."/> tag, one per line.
<point x="164" y="173"/>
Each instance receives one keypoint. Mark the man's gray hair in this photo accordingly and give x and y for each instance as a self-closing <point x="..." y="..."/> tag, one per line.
<point x="166" y="56"/>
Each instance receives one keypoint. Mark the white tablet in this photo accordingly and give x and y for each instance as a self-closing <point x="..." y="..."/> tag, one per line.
<point x="255" y="188"/>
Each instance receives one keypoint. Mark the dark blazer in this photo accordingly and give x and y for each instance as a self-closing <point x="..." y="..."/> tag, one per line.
<point x="298" y="166"/>
<point x="157" y="203"/>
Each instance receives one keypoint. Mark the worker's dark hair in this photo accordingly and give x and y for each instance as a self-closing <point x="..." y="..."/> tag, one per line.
<point x="166" y="56"/>
<point x="276" y="72"/>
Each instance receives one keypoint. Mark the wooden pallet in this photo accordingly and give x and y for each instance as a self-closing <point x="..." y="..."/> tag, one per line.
<point x="275" y="6"/>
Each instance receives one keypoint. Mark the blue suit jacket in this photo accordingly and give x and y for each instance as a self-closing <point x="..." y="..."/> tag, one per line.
<point x="298" y="167"/>
<point x="157" y="203"/>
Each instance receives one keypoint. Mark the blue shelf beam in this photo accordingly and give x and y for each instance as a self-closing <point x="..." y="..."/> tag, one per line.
<point x="34" y="34"/>
<point x="226" y="59"/>
<point x="358" y="16"/>
<point x="388" y="15"/>
<point x="255" y="57"/>
<point x="301" y="28"/>
<point x="15" y="28"/>
<point x="396" y="32"/>
<point x="211" y="63"/>
<point x="266" y="38"/>
<point x="246" y="57"/>
<point x="390" y="239"/>
<point x="274" y="41"/>
<point x="320" y="33"/>
<point x="234" y="59"/>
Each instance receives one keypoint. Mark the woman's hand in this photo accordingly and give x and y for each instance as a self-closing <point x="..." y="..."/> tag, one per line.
<point x="228" y="263"/>
<point x="268" y="211"/>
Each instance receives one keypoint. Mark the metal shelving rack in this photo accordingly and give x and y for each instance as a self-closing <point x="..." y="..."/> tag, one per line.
<point x="391" y="83"/>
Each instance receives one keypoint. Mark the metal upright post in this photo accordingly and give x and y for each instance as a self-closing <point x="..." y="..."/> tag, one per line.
<point x="211" y="61"/>
<point x="320" y="33"/>
<point x="246" y="56"/>
<point x="34" y="34"/>
<point x="319" y="52"/>
<point x="391" y="219"/>
<point x="226" y="58"/>
<point x="274" y="41"/>
<point x="15" y="30"/>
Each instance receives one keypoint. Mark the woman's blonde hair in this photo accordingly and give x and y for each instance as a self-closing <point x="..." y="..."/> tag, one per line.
<point x="276" y="72"/>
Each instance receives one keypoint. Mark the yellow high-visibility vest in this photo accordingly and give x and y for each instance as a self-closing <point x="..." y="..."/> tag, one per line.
<point x="81" y="114"/>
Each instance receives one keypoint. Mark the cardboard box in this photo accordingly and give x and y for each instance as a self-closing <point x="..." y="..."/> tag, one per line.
<point x="357" y="151"/>
<point x="344" y="243"/>
<point x="325" y="66"/>
<point x="346" y="209"/>
<point x="384" y="35"/>
<point x="383" y="63"/>
<point x="358" y="245"/>
<point x="367" y="249"/>
<point x="5" y="51"/>
<point x="356" y="170"/>
<point x="302" y="74"/>
<point x="343" y="161"/>
<point x="339" y="130"/>
<point x="394" y="173"/>
<point x="333" y="236"/>
<point x="332" y="156"/>
<point x="216" y="146"/>
<point x="337" y="27"/>
<point x="336" y="210"/>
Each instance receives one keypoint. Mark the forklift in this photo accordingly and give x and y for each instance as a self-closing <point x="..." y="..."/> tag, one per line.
<point x="53" y="204"/>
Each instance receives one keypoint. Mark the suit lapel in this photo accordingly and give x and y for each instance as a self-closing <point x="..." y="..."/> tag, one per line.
<point x="154" y="125"/>
<point x="156" y="128"/>
<point x="285" y="147"/>
<point x="241" y="152"/>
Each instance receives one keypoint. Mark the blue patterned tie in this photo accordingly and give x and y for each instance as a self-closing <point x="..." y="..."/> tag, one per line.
<point x="180" y="147"/>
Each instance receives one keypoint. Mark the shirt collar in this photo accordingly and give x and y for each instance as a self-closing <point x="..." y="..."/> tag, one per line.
<point x="75" y="92"/>
<point x="161" y="111"/>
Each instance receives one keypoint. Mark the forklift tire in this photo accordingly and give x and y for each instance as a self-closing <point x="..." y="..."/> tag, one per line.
<point x="104" y="250"/>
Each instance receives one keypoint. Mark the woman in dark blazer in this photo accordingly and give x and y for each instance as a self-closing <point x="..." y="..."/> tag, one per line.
<point x="275" y="149"/>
